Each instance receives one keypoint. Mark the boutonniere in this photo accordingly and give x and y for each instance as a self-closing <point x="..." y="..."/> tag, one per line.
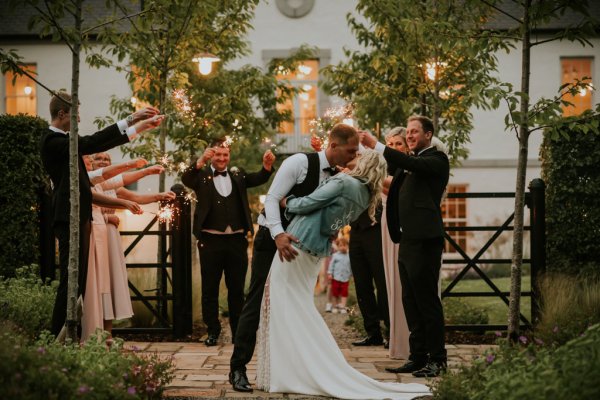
<point x="234" y="170"/>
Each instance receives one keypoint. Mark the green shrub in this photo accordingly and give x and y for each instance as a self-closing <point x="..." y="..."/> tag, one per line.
<point x="569" y="306"/>
<point x="570" y="157"/>
<point x="458" y="312"/>
<point x="26" y="301"/>
<point x="21" y="181"/>
<point x="532" y="371"/>
<point x="47" y="370"/>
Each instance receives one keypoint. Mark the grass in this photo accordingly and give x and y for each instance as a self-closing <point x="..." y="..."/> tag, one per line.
<point x="496" y="308"/>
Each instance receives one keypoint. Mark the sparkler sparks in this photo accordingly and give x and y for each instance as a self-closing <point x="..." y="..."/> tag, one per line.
<point x="320" y="127"/>
<point x="183" y="104"/>
<point x="166" y="213"/>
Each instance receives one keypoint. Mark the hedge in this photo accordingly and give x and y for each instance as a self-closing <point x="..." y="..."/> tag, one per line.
<point x="21" y="181"/>
<point x="570" y="168"/>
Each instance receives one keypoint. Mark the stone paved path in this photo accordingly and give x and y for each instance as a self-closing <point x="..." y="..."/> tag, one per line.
<point x="201" y="372"/>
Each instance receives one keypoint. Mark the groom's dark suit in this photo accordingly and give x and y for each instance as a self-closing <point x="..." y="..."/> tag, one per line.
<point x="416" y="195"/>
<point x="54" y="147"/>
<point x="222" y="253"/>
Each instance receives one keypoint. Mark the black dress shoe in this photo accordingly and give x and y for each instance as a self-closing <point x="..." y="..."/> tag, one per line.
<point x="211" y="340"/>
<point x="431" y="370"/>
<point x="369" y="341"/>
<point x="239" y="381"/>
<point x="410" y="366"/>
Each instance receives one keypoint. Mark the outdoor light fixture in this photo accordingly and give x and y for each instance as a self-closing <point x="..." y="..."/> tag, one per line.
<point x="205" y="62"/>
<point x="28" y="89"/>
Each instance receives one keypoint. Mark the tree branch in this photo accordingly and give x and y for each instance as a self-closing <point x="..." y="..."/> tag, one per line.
<point x="14" y="66"/>
<point x="501" y="11"/>
<point x="514" y="125"/>
<point x="116" y="20"/>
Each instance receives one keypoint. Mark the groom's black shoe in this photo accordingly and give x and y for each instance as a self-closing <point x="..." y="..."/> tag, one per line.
<point x="369" y="341"/>
<point x="211" y="340"/>
<point x="410" y="366"/>
<point x="431" y="370"/>
<point x="239" y="381"/>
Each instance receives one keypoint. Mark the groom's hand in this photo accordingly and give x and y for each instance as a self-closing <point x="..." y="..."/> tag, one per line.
<point x="286" y="251"/>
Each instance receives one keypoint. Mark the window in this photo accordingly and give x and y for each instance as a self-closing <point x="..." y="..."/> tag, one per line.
<point x="572" y="69"/>
<point x="303" y="107"/>
<point x="454" y="213"/>
<point x="140" y="84"/>
<point x="21" y="97"/>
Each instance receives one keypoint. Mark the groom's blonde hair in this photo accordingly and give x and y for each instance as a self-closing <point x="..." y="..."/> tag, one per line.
<point x="371" y="168"/>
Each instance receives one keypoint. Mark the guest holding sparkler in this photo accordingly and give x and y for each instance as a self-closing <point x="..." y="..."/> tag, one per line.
<point x="107" y="293"/>
<point x="222" y="220"/>
<point x="55" y="158"/>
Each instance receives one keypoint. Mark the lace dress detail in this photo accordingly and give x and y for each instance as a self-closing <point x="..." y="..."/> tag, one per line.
<point x="263" y="370"/>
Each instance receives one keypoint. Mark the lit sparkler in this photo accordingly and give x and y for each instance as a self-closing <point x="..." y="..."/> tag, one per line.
<point x="320" y="127"/>
<point x="183" y="104"/>
<point x="166" y="213"/>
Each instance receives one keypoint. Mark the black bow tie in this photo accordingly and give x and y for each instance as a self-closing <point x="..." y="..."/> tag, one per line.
<point x="332" y="170"/>
<point x="217" y="173"/>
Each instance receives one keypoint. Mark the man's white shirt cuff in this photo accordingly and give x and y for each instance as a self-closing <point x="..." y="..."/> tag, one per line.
<point x="125" y="129"/>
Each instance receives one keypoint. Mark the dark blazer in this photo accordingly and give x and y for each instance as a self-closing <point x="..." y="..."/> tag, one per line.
<point x="416" y="192"/>
<point x="200" y="180"/>
<point x="54" y="148"/>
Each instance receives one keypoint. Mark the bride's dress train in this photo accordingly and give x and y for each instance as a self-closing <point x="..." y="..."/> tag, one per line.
<point x="296" y="350"/>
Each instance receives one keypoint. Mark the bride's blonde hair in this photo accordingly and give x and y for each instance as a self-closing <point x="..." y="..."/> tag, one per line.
<point x="371" y="168"/>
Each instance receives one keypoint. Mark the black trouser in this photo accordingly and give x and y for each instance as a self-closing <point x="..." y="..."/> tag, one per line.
<point x="245" y="336"/>
<point x="220" y="254"/>
<point x="61" y="231"/>
<point x="366" y="262"/>
<point x="419" y="262"/>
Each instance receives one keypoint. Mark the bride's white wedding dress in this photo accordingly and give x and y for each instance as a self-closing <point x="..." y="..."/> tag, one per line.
<point x="296" y="350"/>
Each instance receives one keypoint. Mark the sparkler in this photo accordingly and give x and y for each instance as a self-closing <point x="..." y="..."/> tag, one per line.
<point x="320" y="127"/>
<point x="183" y="104"/>
<point x="166" y="213"/>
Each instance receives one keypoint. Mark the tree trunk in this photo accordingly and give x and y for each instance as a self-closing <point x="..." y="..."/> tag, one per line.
<point x="517" y="256"/>
<point x="73" y="286"/>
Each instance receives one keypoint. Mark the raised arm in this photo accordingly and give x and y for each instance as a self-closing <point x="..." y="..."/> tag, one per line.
<point x="323" y="196"/>
<point x="147" y="198"/>
<point x="111" y="202"/>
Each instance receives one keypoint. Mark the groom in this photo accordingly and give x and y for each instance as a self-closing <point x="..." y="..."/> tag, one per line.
<point x="299" y="175"/>
<point x="419" y="224"/>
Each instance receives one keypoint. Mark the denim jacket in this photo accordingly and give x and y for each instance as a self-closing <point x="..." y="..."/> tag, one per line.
<point x="337" y="202"/>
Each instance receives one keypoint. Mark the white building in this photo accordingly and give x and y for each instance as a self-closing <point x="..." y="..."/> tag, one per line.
<point x="279" y="27"/>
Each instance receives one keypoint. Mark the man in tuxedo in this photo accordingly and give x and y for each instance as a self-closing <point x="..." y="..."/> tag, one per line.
<point x="299" y="175"/>
<point x="54" y="147"/>
<point x="221" y="222"/>
<point x="420" y="228"/>
<point x="366" y="261"/>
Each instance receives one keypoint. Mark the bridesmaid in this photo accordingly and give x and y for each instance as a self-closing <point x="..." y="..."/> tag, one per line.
<point x="398" y="343"/>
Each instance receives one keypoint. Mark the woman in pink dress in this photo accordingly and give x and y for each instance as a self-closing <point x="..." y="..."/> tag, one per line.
<point x="119" y="287"/>
<point x="398" y="343"/>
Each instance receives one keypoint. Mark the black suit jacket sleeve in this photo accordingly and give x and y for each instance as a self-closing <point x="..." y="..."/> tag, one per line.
<point x="435" y="165"/>
<point x="258" y="178"/>
<point x="107" y="138"/>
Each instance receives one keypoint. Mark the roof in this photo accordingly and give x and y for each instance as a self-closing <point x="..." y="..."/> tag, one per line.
<point x="501" y="21"/>
<point x="14" y="20"/>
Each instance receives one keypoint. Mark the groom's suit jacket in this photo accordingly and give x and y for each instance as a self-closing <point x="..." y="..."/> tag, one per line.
<point x="200" y="180"/>
<point x="54" y="148"/>
<point x="415" y="193"/>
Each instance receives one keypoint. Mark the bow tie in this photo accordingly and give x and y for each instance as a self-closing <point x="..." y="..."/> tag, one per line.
<point x="217" y="173"/>
<point x="332" y="170"/>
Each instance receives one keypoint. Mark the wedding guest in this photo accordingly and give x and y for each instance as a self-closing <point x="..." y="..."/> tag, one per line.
<point x="222" y="221"/>
<point x="299" y="175"/>
<point x="54" y="147"/>
<point x="398" y="342"/>
<point x="113" y="187"/>
<point x="420" y="228"/>
<point x="339" y="274"/>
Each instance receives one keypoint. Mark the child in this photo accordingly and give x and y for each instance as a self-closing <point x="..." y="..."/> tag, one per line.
<point x="339" y="274"/>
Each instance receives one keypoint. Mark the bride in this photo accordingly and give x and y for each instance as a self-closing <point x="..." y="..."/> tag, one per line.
<point x="296" y="351"/>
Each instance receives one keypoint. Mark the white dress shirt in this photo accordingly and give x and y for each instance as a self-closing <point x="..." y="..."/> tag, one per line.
<point x="292" y="172"/>
<point x="222" y="183"/>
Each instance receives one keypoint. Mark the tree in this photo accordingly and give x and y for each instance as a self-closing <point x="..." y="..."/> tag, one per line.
<point x="429" y="57"/>
<point x="525" y="118"/>
<point x="52" y="19"/>
<point x="158" y="53"/>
